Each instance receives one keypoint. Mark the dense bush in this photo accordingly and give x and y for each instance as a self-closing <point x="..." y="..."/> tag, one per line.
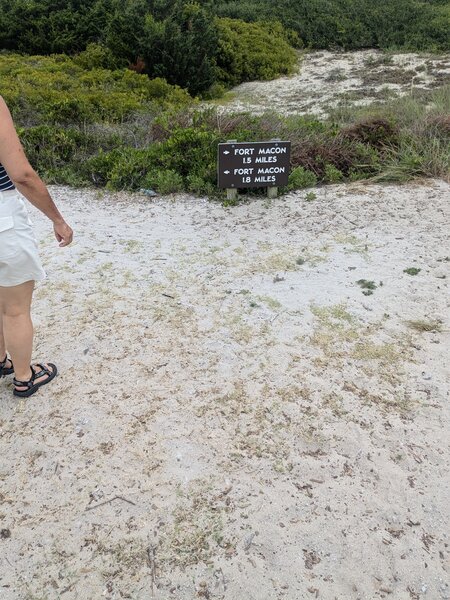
<point x="249" y="51"/>
<point x="202" y="44"/>
<point x="97" y="56"/>
<point x="406" y="24"/>
<point x="178" y="40"/>
<point x="185" y="160"/>
<point x="301" y="178"/>
<point x="182" y="48"/>
<point x="52" y="26"/>
<point x="56" y="89"/>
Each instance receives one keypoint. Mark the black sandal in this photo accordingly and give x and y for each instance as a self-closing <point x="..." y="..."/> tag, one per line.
<point x="3" y="370"/>
<point x="30" y="385"/>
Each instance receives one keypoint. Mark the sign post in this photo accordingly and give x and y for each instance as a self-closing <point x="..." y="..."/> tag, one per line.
<point x="272" y="192"/>
<point x="253" y="164"/>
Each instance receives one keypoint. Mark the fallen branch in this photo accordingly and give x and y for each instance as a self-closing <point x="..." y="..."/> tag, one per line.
<point x="111" y="500"/>
<point x="151" y="561"/>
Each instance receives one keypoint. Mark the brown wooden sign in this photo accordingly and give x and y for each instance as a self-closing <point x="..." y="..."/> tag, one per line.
<point x="253" y="164"/>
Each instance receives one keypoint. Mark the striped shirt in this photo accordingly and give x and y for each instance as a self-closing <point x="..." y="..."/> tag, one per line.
<point x="5" y="181"/>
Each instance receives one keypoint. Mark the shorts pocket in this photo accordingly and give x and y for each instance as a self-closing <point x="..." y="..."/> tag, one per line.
<point x="8" y="240"/>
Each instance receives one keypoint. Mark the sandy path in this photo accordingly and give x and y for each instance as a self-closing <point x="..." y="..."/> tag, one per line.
<point x="331" y="80"/>
<point x="234" y="418"/>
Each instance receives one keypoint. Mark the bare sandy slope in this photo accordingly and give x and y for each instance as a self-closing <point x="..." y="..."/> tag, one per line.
<point x="330" y="80"/>
<point x="234" y="418"/>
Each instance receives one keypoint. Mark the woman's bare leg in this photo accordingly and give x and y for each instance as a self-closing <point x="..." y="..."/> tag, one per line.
<point x="15" y="304"/>
<point x="2" y="340"/>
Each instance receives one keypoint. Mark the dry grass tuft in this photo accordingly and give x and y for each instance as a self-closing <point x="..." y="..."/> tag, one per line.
<point x="422" y="325"/>
<point x="374" y="131"/>
<point x="196" y="532"/>
<point x="318" y="151"/>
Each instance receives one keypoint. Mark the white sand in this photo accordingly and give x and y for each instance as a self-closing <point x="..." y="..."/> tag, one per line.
<point x="330" y="80"/>
<point x="248" y="438"/>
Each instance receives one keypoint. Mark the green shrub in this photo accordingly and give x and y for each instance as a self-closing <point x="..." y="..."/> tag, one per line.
<point x="249" y="51"/>
<point x="164" y="181"/>
<point x="189" y="151"/>
<point x="182" y="47"/>
<point x="49" y="26"/>
<point x="198" y="185"/>
<point x="66" y="175"/>
<point x="177" y="37"/>
<point x="51" y="148"/>
<point x="98" y="168"/>
<point x="353" y="24"/>
<point x="301" y="178"/>
<point x="216" y="91"/>
<point x="333" y="175"/>
<point x="129" y="169"/>
<point x="97" y="56"/>
<point x="52" y="90"/>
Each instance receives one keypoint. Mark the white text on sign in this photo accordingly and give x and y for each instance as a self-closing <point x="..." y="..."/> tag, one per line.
<point x="253" y="164"/>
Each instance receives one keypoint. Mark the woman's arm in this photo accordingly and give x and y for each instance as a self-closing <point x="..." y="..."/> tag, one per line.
<point x="25" y="178"/>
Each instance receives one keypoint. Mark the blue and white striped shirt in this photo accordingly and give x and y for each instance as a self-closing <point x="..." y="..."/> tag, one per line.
<point x="5" y="181"/>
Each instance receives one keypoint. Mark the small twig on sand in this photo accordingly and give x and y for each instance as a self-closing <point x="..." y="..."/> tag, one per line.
<point x="151" y="551"/>
<point x="223" y="580"/>
<point x="352" y="222"/>
<point x="69" y="587"/>
<point x="276" y="316"/>
<point x="169" y="296"/>
<point x="248" y="541"/>
<point x="109" y="501"/>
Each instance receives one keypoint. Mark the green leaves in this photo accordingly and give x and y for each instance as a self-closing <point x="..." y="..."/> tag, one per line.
<point x="249" y="51"/>
<point x="182" y="48"/>
<point x="57" y="90"/>
<point x="353" y="24"/>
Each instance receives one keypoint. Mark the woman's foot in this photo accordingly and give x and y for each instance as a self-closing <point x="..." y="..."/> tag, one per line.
<point x="40" y="374"/>
<point x="6" y="367"/>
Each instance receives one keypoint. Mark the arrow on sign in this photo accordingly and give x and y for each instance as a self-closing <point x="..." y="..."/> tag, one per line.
<point x="226" y="152"/>
<point x="227" y="172"/>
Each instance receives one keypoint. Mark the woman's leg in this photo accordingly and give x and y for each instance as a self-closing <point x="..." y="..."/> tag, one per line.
<point x="2" y="340"/>
<point x="15" y="305"/>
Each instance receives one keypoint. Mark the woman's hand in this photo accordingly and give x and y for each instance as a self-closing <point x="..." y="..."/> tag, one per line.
<point x="63" y="233"/>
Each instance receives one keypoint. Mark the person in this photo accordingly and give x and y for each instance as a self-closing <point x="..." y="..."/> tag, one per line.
<point x="20" y="265"/>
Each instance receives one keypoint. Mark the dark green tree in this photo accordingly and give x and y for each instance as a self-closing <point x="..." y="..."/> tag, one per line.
<point x="126" y="30"/>
<point x="183" y="47"/>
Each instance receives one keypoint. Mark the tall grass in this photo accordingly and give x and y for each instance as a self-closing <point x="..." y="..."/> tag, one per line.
<point x="423" y="122"/>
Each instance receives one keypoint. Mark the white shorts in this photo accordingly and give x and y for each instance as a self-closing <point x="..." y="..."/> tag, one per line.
<point x="19" y="257"/>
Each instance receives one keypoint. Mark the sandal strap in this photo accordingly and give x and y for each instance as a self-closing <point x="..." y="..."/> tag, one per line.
<point x="42" y="372"/>
<point x="28" y="383"/>
<point x="3" y="362"/>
